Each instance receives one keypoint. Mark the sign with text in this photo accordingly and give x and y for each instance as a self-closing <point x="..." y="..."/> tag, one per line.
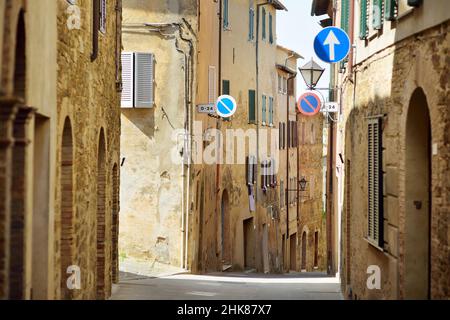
<point x="206" y="108"/>
<point x="330" y="107"/>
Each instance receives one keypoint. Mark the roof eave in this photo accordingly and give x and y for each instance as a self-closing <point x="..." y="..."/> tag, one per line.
<point x="278" y="5"/>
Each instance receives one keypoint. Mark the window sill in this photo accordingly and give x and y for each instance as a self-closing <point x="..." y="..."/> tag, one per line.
<point x="404" y="14"/>
<point x="373" y="245"/>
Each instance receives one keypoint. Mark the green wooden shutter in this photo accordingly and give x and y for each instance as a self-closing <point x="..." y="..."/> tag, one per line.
<point x="345" y="15"/>
<point x="264" y="108"/>
<point x="226" y="22"/>
<point x="363" y="29"/>
<point x="390" y="9"/>
<point x="271" y="111"/>
<point x="251" y="106"/>
<point x="377" y="14"/>
<point x="263" y="24"/>
<point x="226" y="87"/>
<point x="270" y="28"/>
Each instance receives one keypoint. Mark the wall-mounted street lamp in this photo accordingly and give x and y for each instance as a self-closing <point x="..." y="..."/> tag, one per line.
<point x="311" y="73"/>
<point x="301" y="184"/>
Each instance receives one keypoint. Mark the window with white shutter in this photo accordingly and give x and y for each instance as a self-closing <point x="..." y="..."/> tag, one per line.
<point x="251" y="170"/>
<point x="212" y="84"/>
<point x="127" y="80"/>
<point x="144" y="80"/>
<point x="102" y="25"/>
<point x="138" y="76"/>
<point x="375" y="183"/>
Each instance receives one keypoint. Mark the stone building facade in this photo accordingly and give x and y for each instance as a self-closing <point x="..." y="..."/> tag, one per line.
<point x="59" y="108"/>
<point x="312" y="214"/>
<point x="394" y="91"/>
<point x="88" y="146"/>
<point x="287" y="185"/>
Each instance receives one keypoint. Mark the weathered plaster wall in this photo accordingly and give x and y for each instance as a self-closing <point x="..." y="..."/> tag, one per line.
<point x="153" y="191"/>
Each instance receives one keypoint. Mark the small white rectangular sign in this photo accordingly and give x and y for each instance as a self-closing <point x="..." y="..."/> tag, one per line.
<point x="206" y="108"/>
<point x="331" y="107"/>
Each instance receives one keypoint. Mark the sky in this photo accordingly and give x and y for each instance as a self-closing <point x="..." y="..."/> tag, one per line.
<point x="296" y="30"/>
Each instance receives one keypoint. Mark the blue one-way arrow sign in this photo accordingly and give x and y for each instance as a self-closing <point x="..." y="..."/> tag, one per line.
<point x="332" y="45"/>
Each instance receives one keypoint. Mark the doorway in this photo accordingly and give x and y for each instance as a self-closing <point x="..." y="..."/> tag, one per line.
<point x="304" y="251"/>
<point x="265" y="247"/>
<point x="249" y="244"/>
<point x="293" y="252"/>
<point x="225" y="230"/>
<point x="418" y="198"/>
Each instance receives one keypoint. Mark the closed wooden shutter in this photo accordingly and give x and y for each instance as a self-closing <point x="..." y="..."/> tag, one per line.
<point x="248" y="170"/>
<point x="280" y="135"/>
<point x="263" y="24"/>
<point x="144" y="80"/>
<point x="127" y="100"/>
<point x="363" y="29"/>
<point x="390" y="9"/>
<point x="345" y="15"/>
<point x="251" y="106"/>
<point x="226" y="87"/>
<point x="264" y="109"/>
<point x="377" y="14"/>
<point x="291" y="87"/>
<point x="103" y="16"/>
<point x="212" y="84"/>
<point x="289" y="134"/>
<point x="251" y="23"/>
<point x="226" y="21"/>
<point x="270" y="28"/>
<point x="271" y="111"/>
<point x="375" y="183"/>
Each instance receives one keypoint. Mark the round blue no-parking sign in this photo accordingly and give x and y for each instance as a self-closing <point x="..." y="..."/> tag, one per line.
<point x="332" y="45"/>
<point x="226" y="106"/>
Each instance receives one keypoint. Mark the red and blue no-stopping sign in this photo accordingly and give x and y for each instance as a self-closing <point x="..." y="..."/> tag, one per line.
<point x="309" y="104"/>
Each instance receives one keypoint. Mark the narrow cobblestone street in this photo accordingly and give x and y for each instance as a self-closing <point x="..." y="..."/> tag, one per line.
<point x="228" y="286"/>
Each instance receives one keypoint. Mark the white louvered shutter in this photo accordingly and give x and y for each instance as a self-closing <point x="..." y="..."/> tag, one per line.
<point x="144" y="80"/>
<point x="103" y="16"/>
<point x="212" y="84"/>
<point x="127" y="80"/>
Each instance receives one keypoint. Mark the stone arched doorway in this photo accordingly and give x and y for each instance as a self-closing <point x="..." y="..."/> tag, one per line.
<point x="417" y="198"/>
<point x="225" y="229"/>
<point x="101" y="217"/>
<point x="115" y="224"/>
<point x="67" y="218"/>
